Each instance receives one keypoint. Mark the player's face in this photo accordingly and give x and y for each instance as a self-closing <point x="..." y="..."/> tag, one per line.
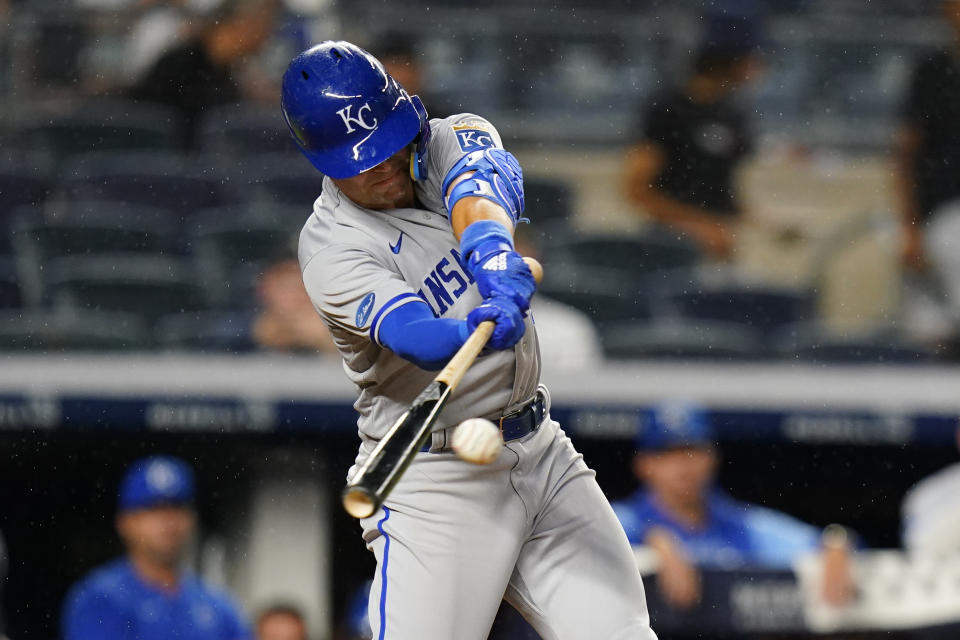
<point x="281" y="627"/>
<point x="387" y="186"/>
<point x="680" y="475"/>
<point x="159" y="534"/>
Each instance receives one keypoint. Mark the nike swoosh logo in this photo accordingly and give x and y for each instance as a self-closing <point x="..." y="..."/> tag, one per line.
<point x="396" y="247"/>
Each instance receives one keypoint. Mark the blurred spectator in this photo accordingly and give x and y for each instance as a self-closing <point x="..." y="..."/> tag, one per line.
<point x="690" y="523"/>
<point x="207" y="69"/>
<point x="928" y="152"/>
<point x="287" y="320"/>
<point x="159" y="27"/>
<point x="147" y="594"/>
<point x="400" y="57"/>
<point x="681" y="170"/>
<point x="931" y="514"/>
<point x="281" y="622"/>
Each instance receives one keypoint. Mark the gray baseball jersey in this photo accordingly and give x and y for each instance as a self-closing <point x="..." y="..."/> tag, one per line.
<point x="360" y="264"/>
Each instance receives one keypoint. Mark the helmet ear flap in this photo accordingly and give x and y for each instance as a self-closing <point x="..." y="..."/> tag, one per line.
<point x="419" y="155"/>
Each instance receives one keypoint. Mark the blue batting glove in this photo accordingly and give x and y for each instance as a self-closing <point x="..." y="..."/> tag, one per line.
<point x="507" y="316"/>
<point x="501" y="271"/>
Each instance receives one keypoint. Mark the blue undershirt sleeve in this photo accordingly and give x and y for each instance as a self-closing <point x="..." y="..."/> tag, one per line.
<point x="412" y="332"/>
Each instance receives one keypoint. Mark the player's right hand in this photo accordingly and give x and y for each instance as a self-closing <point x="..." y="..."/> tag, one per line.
<point x="508" y="318"/>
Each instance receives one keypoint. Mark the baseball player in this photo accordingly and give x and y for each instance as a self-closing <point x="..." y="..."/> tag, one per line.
<point x="408" y="249"/>
<point x="146" y="595"/>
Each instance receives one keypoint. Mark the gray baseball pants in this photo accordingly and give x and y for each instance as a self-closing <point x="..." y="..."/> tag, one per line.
<point x="533" y="528"/>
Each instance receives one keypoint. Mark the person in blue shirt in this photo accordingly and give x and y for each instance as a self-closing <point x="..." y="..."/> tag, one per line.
<point x="689" y="522"/>
<point x="147" y="595"/>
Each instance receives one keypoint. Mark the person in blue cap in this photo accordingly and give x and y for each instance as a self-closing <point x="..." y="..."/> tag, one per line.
<point x="690" y="522"/>
<point x="147" y="594"/>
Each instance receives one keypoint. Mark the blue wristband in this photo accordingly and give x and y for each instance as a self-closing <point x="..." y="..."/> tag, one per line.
<point x="484" y="237"/>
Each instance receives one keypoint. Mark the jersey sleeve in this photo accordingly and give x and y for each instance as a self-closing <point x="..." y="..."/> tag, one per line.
<point x="89" y="615"/>
<point x="456" y="136"/>
<point x="353" y="291"/>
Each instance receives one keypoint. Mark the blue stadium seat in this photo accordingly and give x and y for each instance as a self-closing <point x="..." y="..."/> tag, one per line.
<point x="224" y="242"/>
<point x="637" y="254"/>
<point x="812" y="342"/>
<point x="276" y="179"/>
<point x="764" y="309"/>
<point x="20" y="185"/>
<point x="206" y="331"/>
<point x="46" y="331"/>
<point x="103" y="124"/>
<point x="148" y="286"/>
<point x="682" y="339"/>
<point x="11" y="295"/>
<point x="604" y="298"/>
<point x="245" y="130"/>
<point x="546" y="200"/>
<point x="86" y="229"/>
<point x="167" y="180"/>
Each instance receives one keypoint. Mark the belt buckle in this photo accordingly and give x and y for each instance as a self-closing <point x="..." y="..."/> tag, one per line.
<point x="513" y="414"/>
<point x="520" y="411"/>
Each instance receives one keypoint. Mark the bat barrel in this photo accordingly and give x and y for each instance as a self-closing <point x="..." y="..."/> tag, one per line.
<point x="360" y="502"/>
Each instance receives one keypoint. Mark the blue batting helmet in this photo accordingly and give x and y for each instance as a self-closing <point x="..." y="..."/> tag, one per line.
<point x="347" y="114"/>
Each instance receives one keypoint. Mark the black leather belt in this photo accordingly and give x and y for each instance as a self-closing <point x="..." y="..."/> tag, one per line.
<point x="524" y="420"/>
<point x="513" y="425"/>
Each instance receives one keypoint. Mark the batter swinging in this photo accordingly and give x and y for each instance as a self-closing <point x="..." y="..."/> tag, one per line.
<point x="408" y="249"/>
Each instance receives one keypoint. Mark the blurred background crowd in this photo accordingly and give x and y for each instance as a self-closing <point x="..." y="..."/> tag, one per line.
<point x="718" y="180"/>
<point x="708" y="181"/>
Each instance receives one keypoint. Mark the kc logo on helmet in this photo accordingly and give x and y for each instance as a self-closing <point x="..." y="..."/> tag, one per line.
<point x="359" y="120"/>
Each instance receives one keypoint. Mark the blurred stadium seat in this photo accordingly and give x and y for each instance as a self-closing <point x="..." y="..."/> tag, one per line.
<point x="640" y="254"/>
<point x="19" y="185"/>
<point x="762" y="308"/>
<point x="87" y="228"/>
<point x="168" y="180"/>
<point x="148" y="286"/>
<point x="604" y="297"/>
<point x="35" y="330"/>
<point x="681" y="338"/>
<point x="225" y="244"/>
<point x="206" y="331"/>
<point x="10" y="291"/>
<point x="546" y="200"/>
<point x="102" y="124"/>
<point x="274" y="179"/>
<point x="815" y="343"/>
<point x="245" y="130"/>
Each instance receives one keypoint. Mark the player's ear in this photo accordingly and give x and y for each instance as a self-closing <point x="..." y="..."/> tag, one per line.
<point x="641" y="465"/>
<point x="122" y="524"/>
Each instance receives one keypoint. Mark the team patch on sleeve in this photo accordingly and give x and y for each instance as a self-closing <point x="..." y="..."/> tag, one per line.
<point x="363" y="311"/>
<point x="473" y="135"/>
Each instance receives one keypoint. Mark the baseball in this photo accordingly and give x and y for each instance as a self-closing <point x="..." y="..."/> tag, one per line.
<point x="478" y="441"/>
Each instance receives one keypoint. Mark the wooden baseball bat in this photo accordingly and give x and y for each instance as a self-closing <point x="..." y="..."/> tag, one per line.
<point x="380" y="472"/>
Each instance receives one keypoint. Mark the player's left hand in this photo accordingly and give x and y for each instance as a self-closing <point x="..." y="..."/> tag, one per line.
<point x="503" y="273"/>
<point x="507" y="316"/>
